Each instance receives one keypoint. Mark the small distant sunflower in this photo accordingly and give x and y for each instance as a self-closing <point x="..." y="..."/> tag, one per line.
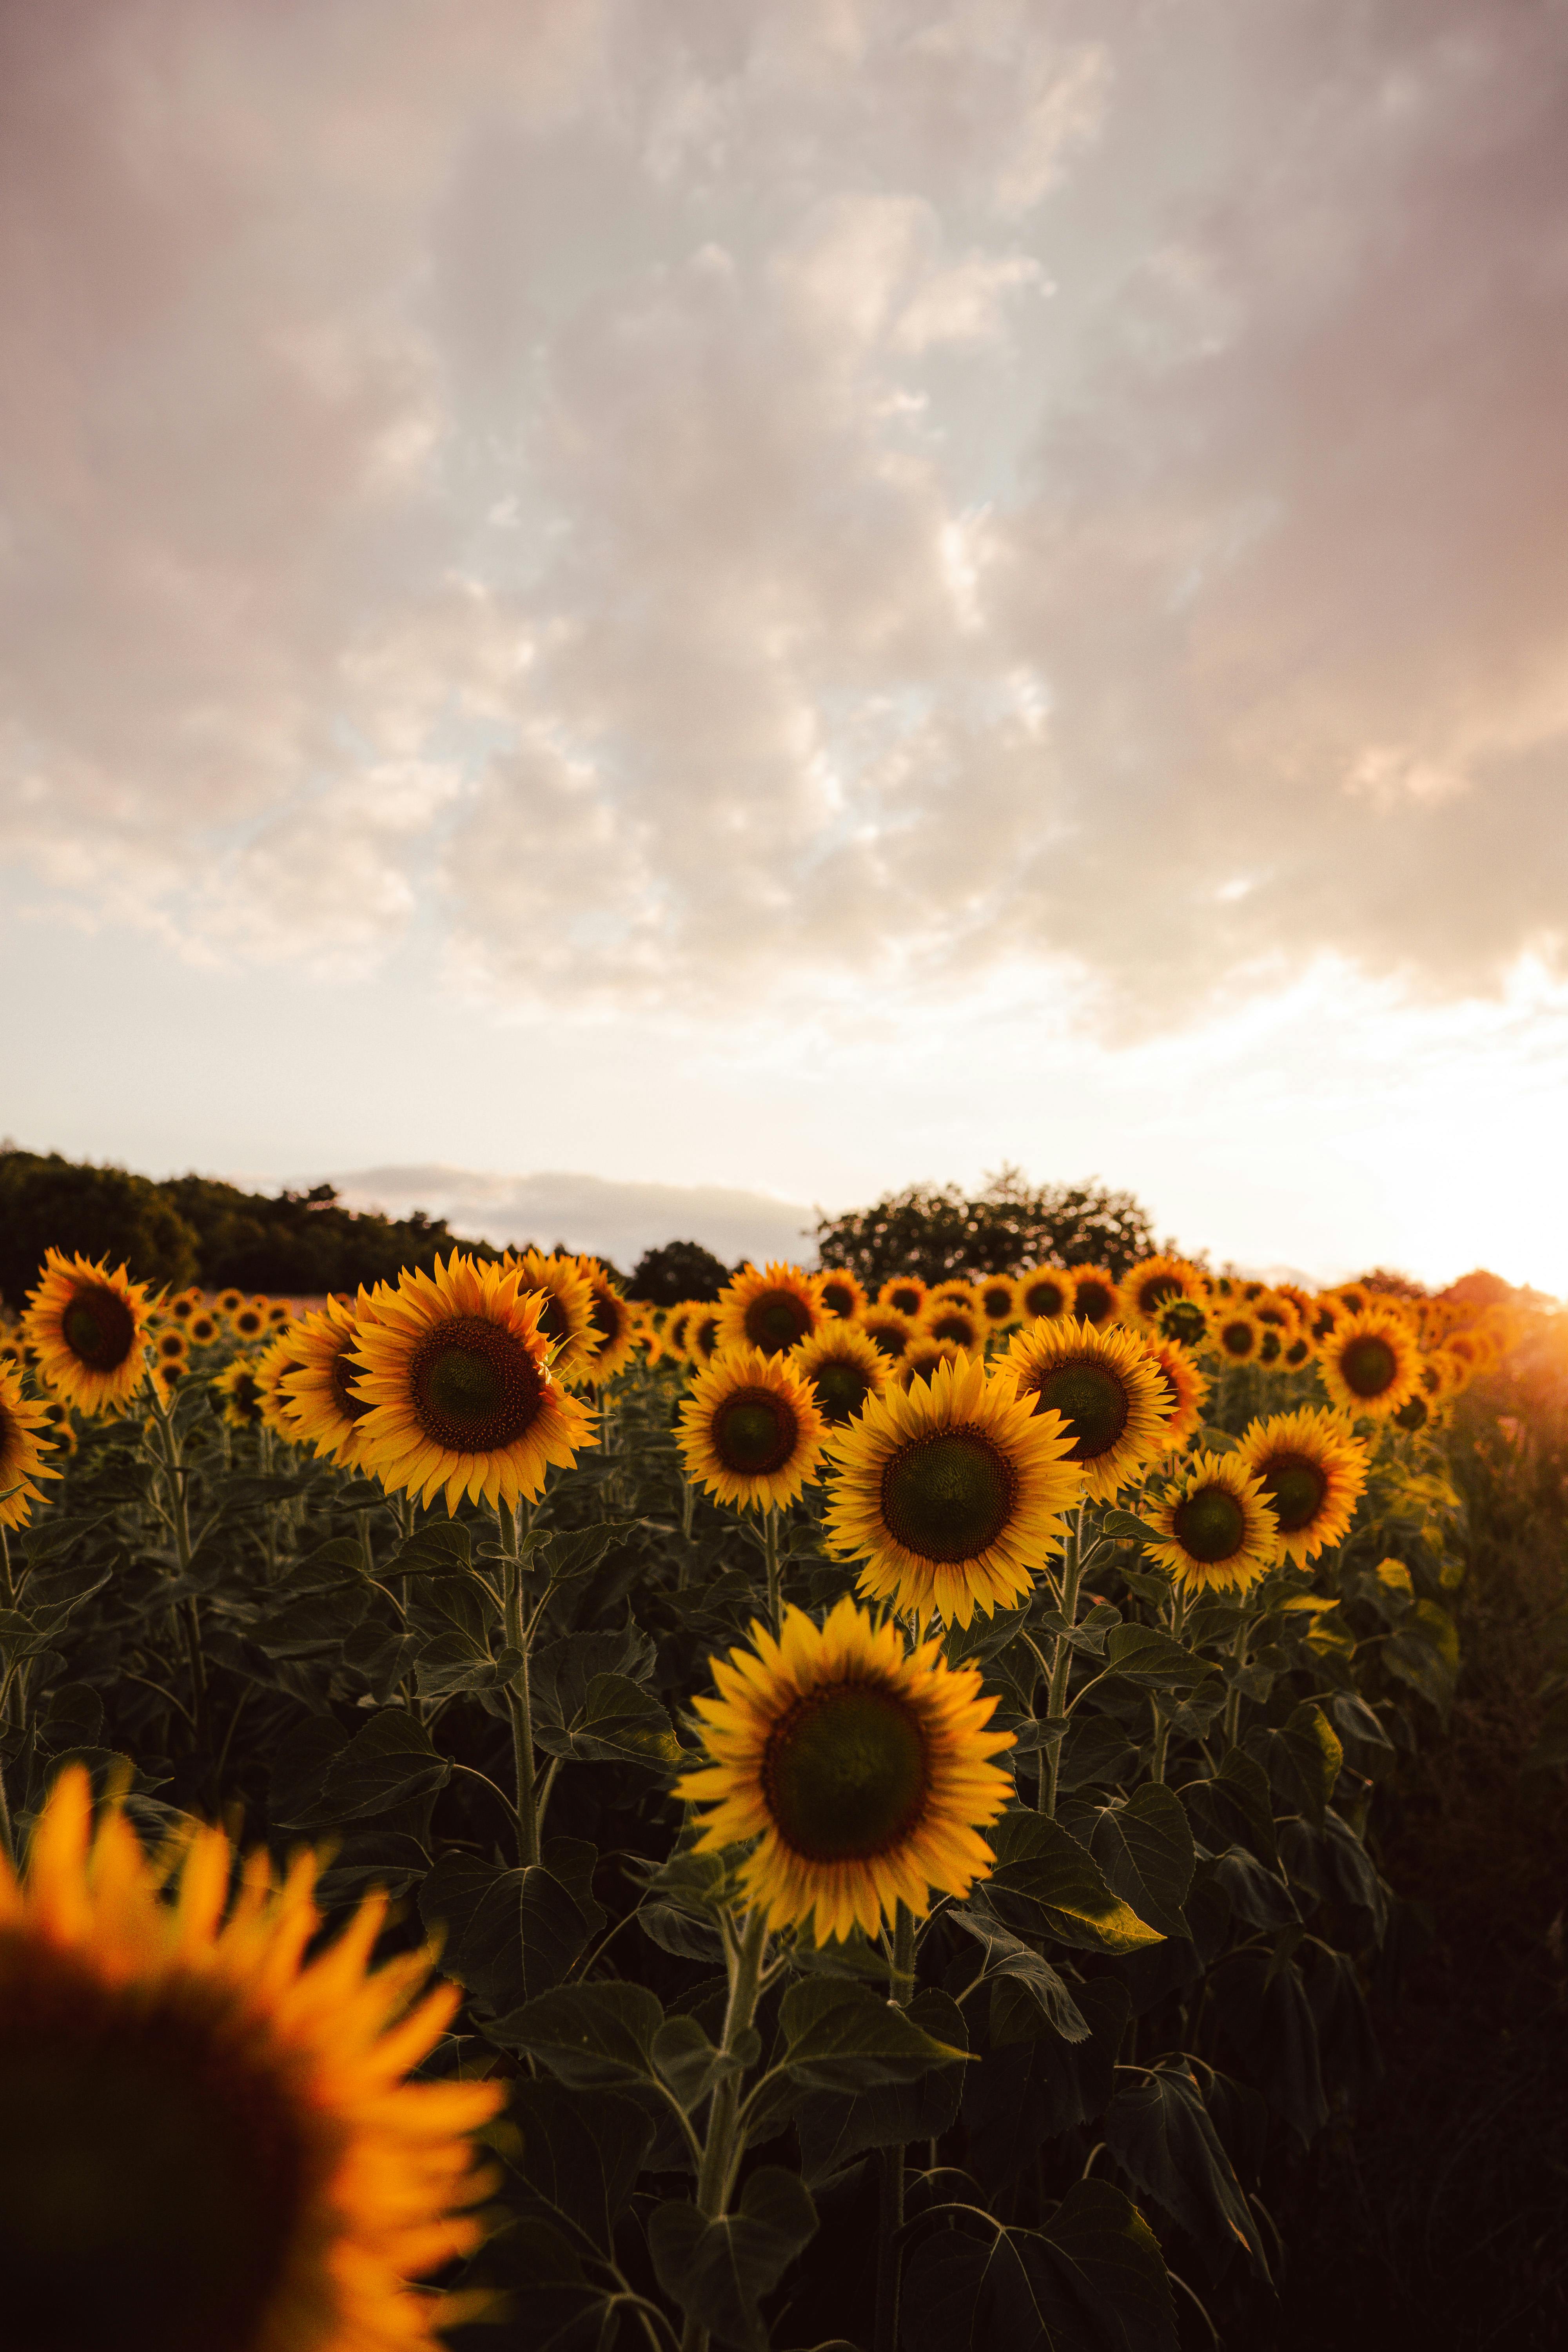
<point x="59" y="1422"/>
<point x="203" y="1328"/>
<point x="1047" y="1293"/>
<point x="229" y="1302"/>
<point x="1095" y="1297"/>
<point x="280" y="1315"/>
<point x="1237" y="1333"/>
<point x="1353" y="1298"/>
<point x="843" y="1368"/>
<point x="962" y="1293"/>
<point x="1298" y="1353"/>
<point x="702" y="1336"/>
<point x="947" y="1318"/>
<point x="952" y="1491"/>
<point x="922" y="1356"/>
<point x="240" y="1395"/>
<point x="888" y="1329"/>
<point x="1313" y="1468"/>
<point x="454" y="1367"/>
<point x="841" y="1294"/>
<point x="751" y="1431"/>
<point x="998" y="1296"/>
<point x="1145" y="1286"/>
<point x="1270" y="1345"/>
<point x="1325" y="1315"/>
<point x="1301" y="1300"/>
<point x="772" y="1306"/>
<point x="1370" y="1363"/>
<point x="1184" y="1318"/>
<point x="23" y="1447"/>
<point x="1107" y="1389"/>
<point x="565" y="1312"/>
<point x="325" y="1407"/>
<point x="90" y="1329"/>
<point x="865" y="1774"/>
<point x="1273" y="1307"/>
<point x="612" y="1326"/>
<point x="904" y="1293"/>
<point x="1216" y="1527"/>
<point x="210" y="2140"/>
<point x="247" y="1321"/>
<point x="170" y="1345"/>
<point x="1186" y="1386"/>
<point x="274" y="1367"/>
<point x="672" y="1339"/>
<point x="167" y="1378"/>
<point x="186" y="1305"/>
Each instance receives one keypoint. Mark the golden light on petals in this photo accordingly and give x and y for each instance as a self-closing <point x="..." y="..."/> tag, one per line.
<point x="1217" y="1526"/>
<point x="91" y="1328"/>
<point x="1145" y="1287"/>
<point x="320" y="1395"/>
<point x="841" y="1294"/>
<point x="1095" y="1296"/>
<point x="1107" y="1389"/>
<point x="1186" y="1386"/>
<point x="22" y="1445"/>
<point x="1045" y="1293"/>
<point x="1313" y="1468"/>
<point x="750" y="1429"/>
<point x="772" y="1306"/>
<point x="889" y="1330"/>
<point x="566" y="1309"/>
<point x="864" y="1775"/>
<point x="843" y="1368"/>
<point x="612" y="1325"/>
<point x="904" y="1293"/>
<point x="1370" y="1363"/>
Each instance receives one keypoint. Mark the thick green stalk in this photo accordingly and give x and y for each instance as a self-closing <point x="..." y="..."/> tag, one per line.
<point x="771" y="1556"/>
<point x="1231" y="1721"/>
<point x="1061" y="1661"/>
<point x="720" y="2153"/>
<point x="187" y="1616"/>
<point x="890" y="2200"/>
<point x="517" y="1703"/>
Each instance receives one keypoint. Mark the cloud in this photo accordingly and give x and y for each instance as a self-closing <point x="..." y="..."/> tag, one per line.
<point x="693" y="508"/>
<point x="617" y="1221"/>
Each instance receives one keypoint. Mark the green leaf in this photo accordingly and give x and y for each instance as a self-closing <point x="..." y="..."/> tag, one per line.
<point x="1142" y="1654"/>
<point x="618" y="1723"/>
<point x="685" y="2058"/>
<point x="1257" y="1896"/>
<point x="835" y="2128"/>
<point x="390" y="1762"/>
<point x="1091" y="2281"/>
<point x="432" y="1550"/>
<point x="1046" y="1884"/>
<point x="718" y="2270"/>
<point x="1145" y="1848"/>
<point x="1161" y="2134"/>
<point x="591" y="2034"/>
<point x="1233" y="1808"/>
<point x="510" y="1934"/>
<point x="1302" y="1758"/>
<point x="1126" y="1524"/>
<point x="304" y="1757"/>
<point x="1008" y="1961"/>
<point x="841" y="2036"/>
<point x="562" y="1672"/>
<point x="1266" y="2014"/>
<point x="323" y="1621"/>
<point x="582" y="2151"/>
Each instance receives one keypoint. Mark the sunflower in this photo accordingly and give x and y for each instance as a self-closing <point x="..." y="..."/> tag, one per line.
<point x="209" y="2140"/>
<point x="1184" y="1319"/>
<point x="241" y="1398"/>
<point x="1313" y="1468"/>
<point x="1298" y="1353"/>
<point x="888" y="1329"/>
<point x="1107" y="1386"/>
<point x="1217" y="1527"/>
<point x="1237" y="1333"/>
<point x="922" y="1356"/>
<point x="841" y="1294"/>
<point x="951" y="1490"/>
<point x="998" y="1296"/>
<point x="456" y="1369"/>
<point x="843" y="1368"/>
<point x="566" y="1310"/>
<point x="904" y="1293"/>
<point x="1301" y="1300"/>
<point x="248" y="1320"/>
<point x="1325" y="1315"/>
<point x="320" y="1396"/>
<point x="1270" y="1345"/>
<point x="1273" y="1307"/>
<point x="59" y="1422"/>
<point x="170" y="1345"/>
<point x="187" y="1304"/>
<point x="864" y="1774"/>
<point x="274" y="1365"/>
<point x="228" y="1302"/>
<point x="613" y="1324"/>
<point x="1370" y="1363"/>
<point x="672" y="1339"/>
<point x="1353" y="1298"/>
<point x="1095" y="1298"/>
<point x="702" y="1336"/>
<point x="750" y="1429"/>
<point x="1413" y="1414"/>
<point x="279" y="1316"/>
<point x="1186" y="1388"/>
<point x="947" y="1318"/>
<point x="90" y="1329"/>
<point x="1145" y="1286"/>
<point x="168" y="1378"/>
<point x="772" y="1308"/>
<point x="22" y="1449"/>
<point x="202" y="1328"/>
<point x="1045" y="1294"/>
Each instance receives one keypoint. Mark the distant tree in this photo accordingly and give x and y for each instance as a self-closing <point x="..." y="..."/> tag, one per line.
<point x="938" y="1233"/>
<point x="1392" y="1284"/>
<point x="677" y="1270"/>
<point x="48" y="1201"/>
<point x="300" y="1245"/>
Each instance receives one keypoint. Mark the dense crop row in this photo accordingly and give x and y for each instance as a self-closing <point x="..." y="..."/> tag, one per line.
<point x="890" y="1781"/>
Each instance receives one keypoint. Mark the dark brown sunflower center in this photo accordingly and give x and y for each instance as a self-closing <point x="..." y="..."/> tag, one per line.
<point x="1369" y="1367"/>
<point x="1093" y="1401"/>
<point x="776" y="1320"/>
<point x="153" y="2175"/>
<point x="1211" y="1525"/>
<point x="839" y="1298"/>
<point x="1183" y="1320"/>
<point x="99" y="1328"/>
<point x="996" y="1299"/>
<point x="755" y="1431"/>
<point x="889" y="1339"/>
<point x="607" y="1315"/>
<point x="846" y="1773"/>
<point x="1238" y="1337"/>
<point x="1269" y="1344"/>
<point x="345" y="1371"/>
<point x="953" y="1323"/>
<point x="841" y="1390"/>
<point x="171" y="1345"/>
<point x="1093" y="1302"/>
<point x="907" y="1299"/>
<point x="1045" y="1297"/>
<point x="1413" y="1413"/>
<point x="1296" y="1487"/>
<point x="553" y="1320"/>
<point x="1155" y="1291"/>
<point x="705" y="1334"/>
<point x="249" y="1323"/>
<point x="246" y="1397"/>
<point x="948" y="1496"/>
<point x="474" y="1387"/>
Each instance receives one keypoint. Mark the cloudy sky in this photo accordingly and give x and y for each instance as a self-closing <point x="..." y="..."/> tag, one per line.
<point x="779" y="600"/>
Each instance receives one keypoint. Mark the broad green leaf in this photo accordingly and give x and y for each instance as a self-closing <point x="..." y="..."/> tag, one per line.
<point x="391" y="1763"/>
<point x="580" y="2152"/>
<point x="840" y="2036"/>
<point x="1091" y="2281"/>
<point x="510" y="1934"/>
<point x="562" y="1672"/>
<point x="1126" y="1525"/>
<point x="591" y="2034"/>
<point x="1142" y="1654"/>
<point x="1011" y="1961"/>
<point x="618" y="1723"/>
<point x="1161" y="2134"/>
<point x="685" y="2058"/>
<point x="1233" y="1808"/>
<point x="1046" y="1884"/>
<point x="1145" y="1848"/>
<point x="718" y="2270"/>
<point x="1302" y="1758"/>
<point x="432" y="1550"/>
<point x="835" y="2128"/>
<point x="1255" y="1895"/>
<point x="1017" y="2097"/>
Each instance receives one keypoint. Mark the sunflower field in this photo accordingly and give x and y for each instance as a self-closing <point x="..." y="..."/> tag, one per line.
<point x="801" y="1820"/>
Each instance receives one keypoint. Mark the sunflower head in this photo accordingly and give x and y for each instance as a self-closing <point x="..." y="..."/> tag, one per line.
<point x="1186" y="1389"/>
<point x="1047" y="1292"/>
<point x="904" y="1293"/>
<point x="248" y="1320"/>
<point x="888" y="1330"/>
<point x="702" y="1335"/>
<point x="1182" y="1318"/>
<point x="1273" y="1309"/>
<point x="751" y="1430"/>
<point x="922" y="1356"/>
<point x="1146" y="1286"/>
<point x="1237" y="1333"/>
<point x="1313" y="1467"/>
<point x="1095" y="1296"/>
<point x="863" y="1774"/>
<point x="566" y="1309"/>
<point x="843" y="1368"/>
<point x="772" y="1308"/>
<point x="1107" y="1388"/>
<point x="170" y="1345"/>
<point x="672" y="1338"/>
<point x="954" y="1319"/>
<point x="274" y="1367"/>
<point x="90" y="1329"/>
<point x="25" y="1436"/>
<point x="238" y="1395"/>
<point x="318" y="1394"/>
<point x="203" y="1328"/>
<point x="207" y="2140"/>
<point x="1370" y="1363"/>
<point x="456" y="1370"/>
<point x="1216" y="1525"/>
<point x="612" y="1325"/>
<point x="952" y="1491"/>
<point x="186" y="1305"/>
<point x="998" y="1296"/>
<point x="229" y="1302"/>
<point x="841" y="1294"/>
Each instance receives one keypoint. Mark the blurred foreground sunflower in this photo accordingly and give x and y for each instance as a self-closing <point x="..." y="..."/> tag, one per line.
<point x="1108" y="1390"/>
<point x="1313" y="1468"/>
<point x="207" y="2143"/>
<point x="22" y="1449"/>
<point x="1216" y="1527"/>
<point x="865" y="1774"/>
<point x="750" y="1429"/>
<point x="952" y="1491"/>
<point x="90" y="1329"/>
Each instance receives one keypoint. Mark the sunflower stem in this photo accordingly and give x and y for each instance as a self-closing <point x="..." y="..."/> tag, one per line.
<point x="723" y="2149"/>
<point x="1061" y="1660"/>
<point x="517" y="1692"/>
<point x="187" y="1616"/>
<point x="890" y="2200"/>
<point x="771" y="1557"/>
<point x="1231" y="1721"/>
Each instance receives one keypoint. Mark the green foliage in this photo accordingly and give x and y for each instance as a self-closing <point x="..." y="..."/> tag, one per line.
<point x="938" y="1233"/>
<point x="677" y="1271"/>
<point x="101" y="1212"/>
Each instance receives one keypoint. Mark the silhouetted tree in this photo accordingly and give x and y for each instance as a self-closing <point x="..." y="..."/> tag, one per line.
<point x="47" y="1200"/>
<point x="677" y="1270"/>
<point x="936" y="1231"/>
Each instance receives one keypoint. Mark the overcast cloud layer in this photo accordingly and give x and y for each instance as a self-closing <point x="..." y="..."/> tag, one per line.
<point x="679" y="500"/>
